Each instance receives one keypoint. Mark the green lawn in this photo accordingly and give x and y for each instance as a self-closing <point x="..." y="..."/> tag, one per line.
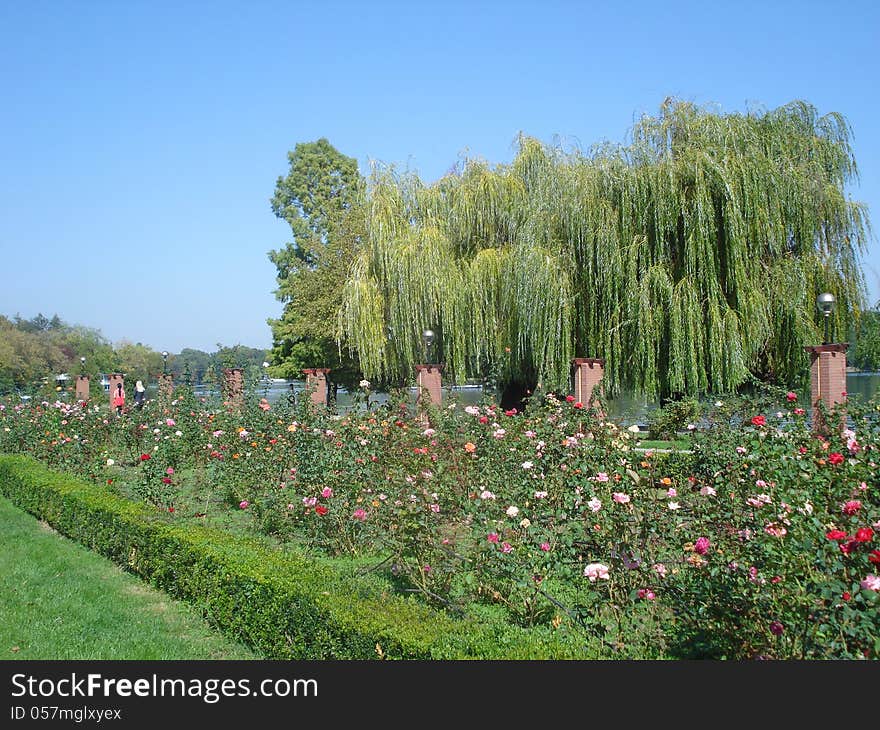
<point x="58" y="600"/>
<point x="676" y="445"/>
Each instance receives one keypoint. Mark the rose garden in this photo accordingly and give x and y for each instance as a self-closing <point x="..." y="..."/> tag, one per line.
<point x="547" y="533"/>
<point x="685" y="266"/>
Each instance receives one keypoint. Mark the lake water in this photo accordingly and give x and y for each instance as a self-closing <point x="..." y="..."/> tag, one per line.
<point x="627" y="409"/>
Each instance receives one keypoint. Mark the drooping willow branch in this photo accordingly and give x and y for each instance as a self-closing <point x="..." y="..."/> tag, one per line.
<point x="688" y="259"/>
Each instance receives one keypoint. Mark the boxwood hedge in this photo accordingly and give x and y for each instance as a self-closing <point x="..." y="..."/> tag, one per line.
<point x="284" y="603"/>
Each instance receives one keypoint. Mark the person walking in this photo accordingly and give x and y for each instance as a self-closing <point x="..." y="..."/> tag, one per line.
<point x="140" y="394"/>
<point x="119" y="399"/>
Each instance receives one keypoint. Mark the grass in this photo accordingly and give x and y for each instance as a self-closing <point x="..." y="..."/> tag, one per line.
<point x="60" y="601"/>
<point x="677" y="445"/>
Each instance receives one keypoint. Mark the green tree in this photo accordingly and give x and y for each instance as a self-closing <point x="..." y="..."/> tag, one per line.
<point x="690" y="259"/>
<point x="38" y="324"/>
<point x="34" y="351"/>
<point x="138" y="362"/>
<point x="198" y="362"/>
<point x="866" y="354"/>
<point x="26" y="358"/>
<point x="321" y="198"/>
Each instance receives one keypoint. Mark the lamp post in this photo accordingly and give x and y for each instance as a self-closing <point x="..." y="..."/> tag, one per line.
<point x="265" y="379"/>
<point x="825" y="303"/>
<point x="82" y="382"/>
<point x="164" y="361"/>
<point x="428" y="377"/>
<point x="428" y="338"/>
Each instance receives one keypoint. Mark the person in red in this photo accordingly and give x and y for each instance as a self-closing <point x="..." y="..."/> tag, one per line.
<point x="119" y="399"/>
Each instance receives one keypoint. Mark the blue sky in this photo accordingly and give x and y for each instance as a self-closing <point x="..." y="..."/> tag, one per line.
<point x="140" y="141"/>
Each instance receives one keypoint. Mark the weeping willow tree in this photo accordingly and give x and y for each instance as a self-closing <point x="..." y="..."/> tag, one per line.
<point x="689" y="258"/>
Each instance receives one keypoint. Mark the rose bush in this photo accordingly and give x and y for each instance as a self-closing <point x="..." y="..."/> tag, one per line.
<point x="758" y="541"/>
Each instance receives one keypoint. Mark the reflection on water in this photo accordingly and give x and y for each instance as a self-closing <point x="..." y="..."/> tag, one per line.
<point x="863" y="385"/>
<point x="624" y="408"/>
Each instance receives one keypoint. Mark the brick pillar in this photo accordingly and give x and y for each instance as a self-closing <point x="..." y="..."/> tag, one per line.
<point x="428" y="379"/>
<point x="316" y="385"/>
<point x="233" y="386"/>
<point x="827" y="381"/>
<point x="166" y="385"/>
<point x="114" y="379"/>
<point x="82" y="387"/>
<point x="587" y="374"/>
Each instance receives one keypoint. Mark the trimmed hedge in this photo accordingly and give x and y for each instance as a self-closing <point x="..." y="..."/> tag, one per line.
<point x="285" y="604"/>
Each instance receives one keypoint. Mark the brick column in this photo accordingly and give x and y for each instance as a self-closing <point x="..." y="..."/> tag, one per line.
<point x="82" y="387"/>
<point x="428" y="379"/>
<point x="316" y="385"/>
<point x="114" y="379"/>
<point x="827" y="381"/>
<point x="166" y="385"/>
<point x="233" y="386"/>
<point x="587" y="374"/>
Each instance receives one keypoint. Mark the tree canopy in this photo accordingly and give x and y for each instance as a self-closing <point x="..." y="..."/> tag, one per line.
<point x="866" y="353"/>
<point x="321" y="198"/>
<point x="688" y="258"/>
<point x="33" y="352"/>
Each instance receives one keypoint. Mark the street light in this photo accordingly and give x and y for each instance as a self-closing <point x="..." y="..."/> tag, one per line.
<point x="164" y="362"/>
<point x="825" y="303"/>
<point x="82" y="365"/>
<point x="428" y="337"/>
<point x="265" y="379"/>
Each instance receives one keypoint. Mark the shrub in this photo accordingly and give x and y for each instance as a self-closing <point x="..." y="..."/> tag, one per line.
<point x="285" y="604"/>
<point x="666" y="421"/>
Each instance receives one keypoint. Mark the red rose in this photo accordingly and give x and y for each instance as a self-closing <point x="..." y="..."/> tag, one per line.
<point x="321" y="509"/>
<point x="837" y="535"/>
<point x="864" y="534"/>
<point x="166" y="480"/>
<point x="851" y="507"/>
<point x="846" y="596"/>
<point x="578" y="405"/>
<point x="569" y="398"/>
<point x="171" y="509"/>
<point x="874" y="557"/>
<point x="144" y="457"/>
<point x="791" y="396"/>
<point x="759" y="421"/>
<point x="847" y="547"/>
<point x="835" y="458"/>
